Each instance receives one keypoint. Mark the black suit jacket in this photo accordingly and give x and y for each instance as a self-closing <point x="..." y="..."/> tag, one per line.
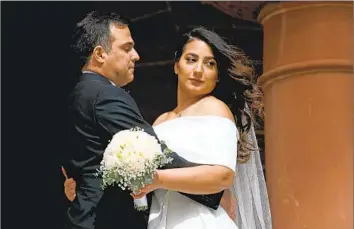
<point x="98" y="110"/>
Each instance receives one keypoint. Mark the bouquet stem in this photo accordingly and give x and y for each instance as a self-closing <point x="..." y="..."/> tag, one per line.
<point x="141" y="204"/>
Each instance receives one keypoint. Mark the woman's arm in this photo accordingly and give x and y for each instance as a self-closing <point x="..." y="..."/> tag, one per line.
<point x="205" y="179"/>
<point x="228" y="203"/>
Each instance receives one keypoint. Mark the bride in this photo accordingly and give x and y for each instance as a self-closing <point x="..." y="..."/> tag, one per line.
<point x="202" y="128"/>
<point x="212" y="125"/>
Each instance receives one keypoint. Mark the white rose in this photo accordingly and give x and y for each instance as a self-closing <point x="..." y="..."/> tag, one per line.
<point x="110" y="161"/>
<point x="148" y="146"/>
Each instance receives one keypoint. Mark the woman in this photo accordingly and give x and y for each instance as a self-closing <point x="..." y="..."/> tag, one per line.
<point x="213" y="122"/>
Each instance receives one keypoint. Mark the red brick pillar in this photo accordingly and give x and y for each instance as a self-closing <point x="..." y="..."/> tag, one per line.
<point x="308" y="83"/>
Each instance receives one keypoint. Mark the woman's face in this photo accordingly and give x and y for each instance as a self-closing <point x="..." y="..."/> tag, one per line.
<point x="197" y="68"/>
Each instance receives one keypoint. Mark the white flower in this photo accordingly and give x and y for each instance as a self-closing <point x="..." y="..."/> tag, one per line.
<point x="131" y="158"/>
<point x="110" y="161"/>
<point x="147" y="146"/>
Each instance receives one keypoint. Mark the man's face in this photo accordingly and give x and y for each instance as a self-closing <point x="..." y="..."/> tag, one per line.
<point x="119" y="63"/>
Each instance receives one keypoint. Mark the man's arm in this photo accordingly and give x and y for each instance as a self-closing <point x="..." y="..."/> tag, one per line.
<point x="115" y="110"/>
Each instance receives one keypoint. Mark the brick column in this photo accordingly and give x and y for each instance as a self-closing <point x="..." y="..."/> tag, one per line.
<point x="308" y="83"/>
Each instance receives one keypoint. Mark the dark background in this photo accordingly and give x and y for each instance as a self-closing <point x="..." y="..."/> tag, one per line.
<point x="39" y="69"/>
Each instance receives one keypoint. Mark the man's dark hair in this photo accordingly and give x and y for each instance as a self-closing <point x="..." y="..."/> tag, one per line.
<point x="94" y="30"/>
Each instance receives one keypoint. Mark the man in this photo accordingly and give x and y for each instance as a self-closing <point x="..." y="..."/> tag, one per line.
<point x="99" y="108"/>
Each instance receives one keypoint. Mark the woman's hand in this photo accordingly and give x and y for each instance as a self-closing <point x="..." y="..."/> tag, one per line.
<point x="156" y="184"/>
<point x="69" y="186"/>
<point x="228" y="203"/>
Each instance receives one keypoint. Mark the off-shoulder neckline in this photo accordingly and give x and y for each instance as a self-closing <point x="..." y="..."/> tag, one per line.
<point x="196" y="116"/>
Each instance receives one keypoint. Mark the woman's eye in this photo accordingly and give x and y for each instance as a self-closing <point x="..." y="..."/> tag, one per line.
<point x="211" y="64"/>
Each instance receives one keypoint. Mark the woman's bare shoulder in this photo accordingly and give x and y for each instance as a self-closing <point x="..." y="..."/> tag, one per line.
<point x="163" y="117"/>
<point x="216" y="107"/>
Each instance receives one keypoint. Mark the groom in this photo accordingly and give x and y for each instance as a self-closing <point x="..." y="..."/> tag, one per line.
<point x="99" y="108"/>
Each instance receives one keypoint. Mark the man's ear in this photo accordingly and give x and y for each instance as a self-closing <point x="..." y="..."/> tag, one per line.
<point x="99" y="54"/>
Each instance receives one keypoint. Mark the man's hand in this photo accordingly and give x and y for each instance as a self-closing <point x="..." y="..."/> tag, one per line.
<point x="69" y="186"/>
<point x="228" y="203"/>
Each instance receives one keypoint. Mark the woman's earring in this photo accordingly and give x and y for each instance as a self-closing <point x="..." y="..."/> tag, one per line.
<point x="217" y="80"/>
<point x="234" y="94"/>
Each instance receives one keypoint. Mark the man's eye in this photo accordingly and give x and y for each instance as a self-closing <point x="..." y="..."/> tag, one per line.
<point x="127" y="48"/>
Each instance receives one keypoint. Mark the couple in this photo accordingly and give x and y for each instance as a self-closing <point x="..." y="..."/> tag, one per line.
<point x="200" y="187"/>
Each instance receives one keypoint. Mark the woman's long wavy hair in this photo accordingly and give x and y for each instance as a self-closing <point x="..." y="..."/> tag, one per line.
<point x="236" y="87"/>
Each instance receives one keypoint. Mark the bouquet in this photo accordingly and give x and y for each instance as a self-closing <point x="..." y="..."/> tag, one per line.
<point x="130" y="161"/>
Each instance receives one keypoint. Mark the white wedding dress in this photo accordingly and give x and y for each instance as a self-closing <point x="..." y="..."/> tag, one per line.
<point x="204" y="140"/>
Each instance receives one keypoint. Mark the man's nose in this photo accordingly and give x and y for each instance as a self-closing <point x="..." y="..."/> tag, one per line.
<point x="135" y="56"/>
